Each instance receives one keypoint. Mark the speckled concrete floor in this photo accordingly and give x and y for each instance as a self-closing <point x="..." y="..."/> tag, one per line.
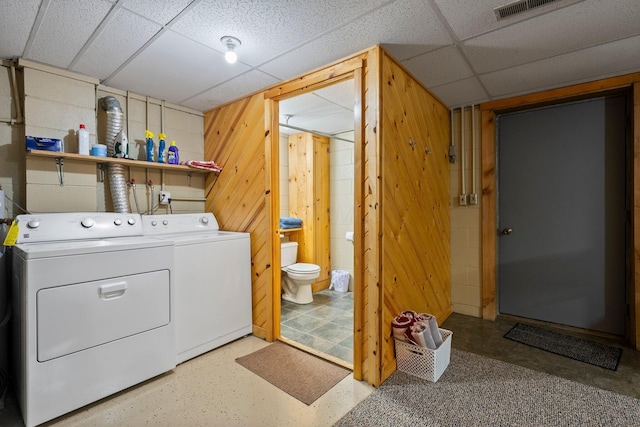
<point x="213" y="390"/>
<point x="486" y="338"/>
<point x="210" y="390"/>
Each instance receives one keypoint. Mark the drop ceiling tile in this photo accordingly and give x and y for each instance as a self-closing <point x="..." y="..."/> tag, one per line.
<point x="342" y="94"/>
<point x="439" y="66"/>
<point x="577" y="27"/>
<point x="461" y="92"/>
<point x="620" y="57"/>
<point x="385" y="25"/>
<point x="121" y="38"/>
<point x="16" y="19"/>
<point x="180" y="68"/>
<point x="403" y="52"/>
<point x="66" y="27"/>
<point x="231" y="90"/>
<point x="267" y="28"/>
<point x="469" y="18"/>
<point x="158" y="11"/>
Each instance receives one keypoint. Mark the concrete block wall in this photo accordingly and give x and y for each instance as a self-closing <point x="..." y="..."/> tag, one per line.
<point x="466" y="231"/>
<point x="56" y="102"/>
<point x="12" y="180"/>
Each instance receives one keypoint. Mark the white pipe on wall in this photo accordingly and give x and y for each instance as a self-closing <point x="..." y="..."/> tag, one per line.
<point x="14" y="91"/>
<point x="463" y="195"/>
<point x="473" y="149"/>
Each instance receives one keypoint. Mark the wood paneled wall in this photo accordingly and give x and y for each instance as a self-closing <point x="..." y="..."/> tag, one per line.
<point x="401" y="192"/>
<point x="415" y="203"/>
<point x="309" y="201"/>
<point x="239" y="196"/>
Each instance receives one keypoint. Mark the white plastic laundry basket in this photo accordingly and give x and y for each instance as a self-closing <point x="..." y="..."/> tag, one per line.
<point x="423" y="362"/>
<point x="339" y="280"/>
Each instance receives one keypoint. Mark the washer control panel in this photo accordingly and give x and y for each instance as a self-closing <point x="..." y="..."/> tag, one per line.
<point x="179" y="223"/>
<point x="52" y="227"/>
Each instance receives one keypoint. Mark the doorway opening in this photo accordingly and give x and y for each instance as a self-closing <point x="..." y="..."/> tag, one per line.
<point x="325" y="119"/>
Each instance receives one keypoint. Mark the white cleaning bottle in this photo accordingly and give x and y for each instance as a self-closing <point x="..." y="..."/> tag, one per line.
<point x="83" y="140"/>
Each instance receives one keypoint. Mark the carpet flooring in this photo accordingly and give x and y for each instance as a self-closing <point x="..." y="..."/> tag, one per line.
<point x="478" y="391"/>
<point x="302" y="375"/>
<point x="591" y="352"/>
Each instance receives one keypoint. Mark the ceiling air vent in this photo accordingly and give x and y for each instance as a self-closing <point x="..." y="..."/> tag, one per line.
<point x="518" y="7"/>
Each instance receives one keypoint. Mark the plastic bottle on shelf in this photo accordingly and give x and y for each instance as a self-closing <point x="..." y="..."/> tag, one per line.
<point x="148" y="135"/>
<point x="173" y="156"/>
<point x="162" y="154"/>
<point x="83" y="140"/>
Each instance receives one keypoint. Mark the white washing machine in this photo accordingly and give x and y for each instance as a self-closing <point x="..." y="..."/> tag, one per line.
<point x="212" y="280"/>
<point x="93" y="310"/>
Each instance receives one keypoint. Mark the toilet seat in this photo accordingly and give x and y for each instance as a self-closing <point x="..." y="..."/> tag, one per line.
<point x="302" y="268"/>
<point x="302" y="271"/>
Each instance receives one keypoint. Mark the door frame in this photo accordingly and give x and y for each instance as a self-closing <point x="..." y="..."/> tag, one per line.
<point x="629" y="83"/>
<point x="350" y="69"/>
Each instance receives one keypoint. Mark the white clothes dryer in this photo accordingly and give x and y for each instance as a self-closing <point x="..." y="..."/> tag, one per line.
<point x="213" y="280"/>
<point x="93" y="306"/>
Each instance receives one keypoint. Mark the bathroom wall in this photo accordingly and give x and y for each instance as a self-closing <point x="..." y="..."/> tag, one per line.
<point x="342" y="198"/>
<point x="56" y="102"/>
<point x="466" y="232"/>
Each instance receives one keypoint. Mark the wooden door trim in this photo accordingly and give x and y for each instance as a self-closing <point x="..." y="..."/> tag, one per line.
<point x="489" y="112"/>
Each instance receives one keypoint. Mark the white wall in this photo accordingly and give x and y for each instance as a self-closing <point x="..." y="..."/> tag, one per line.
<point x="55" y="103"/>
<point x="466" y="232"/>
<point x="341" y="158"/>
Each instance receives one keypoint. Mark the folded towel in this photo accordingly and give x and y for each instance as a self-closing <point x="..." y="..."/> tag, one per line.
<point x="400" y="324"/>
<point x="289" y="226"/>
<point x="201" y="164"/>
<point x="417" y="333"/>
<point x="409" y="313"/>
<point x="432" y="325"/>
<point x="290" y="220"/>
<point x="427" y="337"/>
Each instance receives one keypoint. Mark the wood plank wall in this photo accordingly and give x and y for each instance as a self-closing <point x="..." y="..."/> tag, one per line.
<point x="309" y="200"/>
<point x="239" y="196"/>
<point x="416" y="272"/>
<point x="401" y="198"/>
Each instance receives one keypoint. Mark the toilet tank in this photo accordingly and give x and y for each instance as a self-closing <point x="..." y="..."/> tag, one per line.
<point x="288" y="253"/>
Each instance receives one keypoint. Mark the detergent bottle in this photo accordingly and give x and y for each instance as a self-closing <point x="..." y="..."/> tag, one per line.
<point x="162" y="154"/>
<point x="83" y="140"/>
<point x="149" y="137"/>
<point x="173" y="157"/>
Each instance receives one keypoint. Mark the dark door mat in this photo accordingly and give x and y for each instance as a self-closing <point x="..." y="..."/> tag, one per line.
<point x="586" y="351"/>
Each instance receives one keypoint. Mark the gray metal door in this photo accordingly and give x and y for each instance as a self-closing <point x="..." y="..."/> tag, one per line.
<point x="561" y="197"/>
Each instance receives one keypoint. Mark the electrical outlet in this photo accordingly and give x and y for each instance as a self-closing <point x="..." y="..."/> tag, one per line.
<point x="165" y="197"/>
<point x="463" y="200"/>
<point x="473" y="199"/>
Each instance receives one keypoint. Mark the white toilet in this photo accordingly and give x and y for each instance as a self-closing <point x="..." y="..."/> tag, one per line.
<point x="296" y="277"/>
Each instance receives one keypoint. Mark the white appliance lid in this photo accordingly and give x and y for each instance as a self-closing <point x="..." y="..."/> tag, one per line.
<point x="83" y="247"/>
<point x="302" y="267"/>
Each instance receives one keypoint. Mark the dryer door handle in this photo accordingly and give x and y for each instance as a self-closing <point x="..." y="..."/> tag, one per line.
<point x="112" y="290"/>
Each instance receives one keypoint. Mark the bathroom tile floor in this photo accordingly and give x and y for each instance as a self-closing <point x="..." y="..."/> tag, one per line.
<point x="325" y="325"/>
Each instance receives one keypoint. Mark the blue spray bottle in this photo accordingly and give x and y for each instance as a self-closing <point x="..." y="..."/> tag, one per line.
<point x="162" y="154"/>
<point x="149" y="137"/>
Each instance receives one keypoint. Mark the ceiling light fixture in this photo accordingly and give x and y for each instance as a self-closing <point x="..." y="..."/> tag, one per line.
<point x="231" y="43"/>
